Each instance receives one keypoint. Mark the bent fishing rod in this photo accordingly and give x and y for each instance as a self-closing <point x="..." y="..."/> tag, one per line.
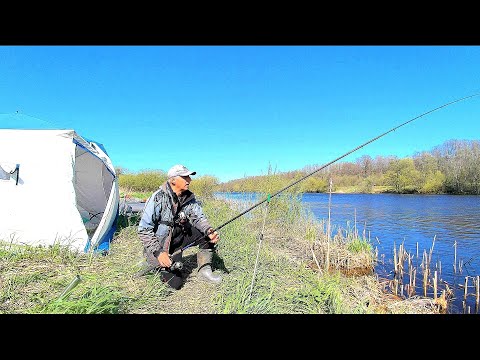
<point x="323" y="167"/>
<point x="341" y="157"/>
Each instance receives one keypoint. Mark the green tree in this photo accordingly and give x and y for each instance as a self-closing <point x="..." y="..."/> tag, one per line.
<point x="402" y="176"/>
<point x="434" y="183"/>
<point x="313" y="184"/>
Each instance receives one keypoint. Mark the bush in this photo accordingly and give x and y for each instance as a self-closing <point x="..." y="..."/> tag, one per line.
<point x="145" y="181"/>
<point x="204" y="186"/>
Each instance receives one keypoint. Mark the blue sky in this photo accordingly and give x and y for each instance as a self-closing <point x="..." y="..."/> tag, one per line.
<point x="231" y="111"/>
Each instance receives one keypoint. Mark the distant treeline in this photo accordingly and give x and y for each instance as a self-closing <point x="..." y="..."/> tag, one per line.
<point x="450" y="168"/>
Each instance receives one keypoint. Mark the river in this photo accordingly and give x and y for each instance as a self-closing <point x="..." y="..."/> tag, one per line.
<point x="447" y="225"/>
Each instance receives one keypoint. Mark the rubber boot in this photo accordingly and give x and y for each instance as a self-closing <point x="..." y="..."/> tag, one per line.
<point x="204" y="260"/>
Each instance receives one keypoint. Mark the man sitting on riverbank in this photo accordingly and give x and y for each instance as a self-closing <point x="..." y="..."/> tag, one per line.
<point x="173" y="220"/>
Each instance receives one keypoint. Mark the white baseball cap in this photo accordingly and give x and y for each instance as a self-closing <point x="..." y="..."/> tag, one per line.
<point x="179" y="170"/>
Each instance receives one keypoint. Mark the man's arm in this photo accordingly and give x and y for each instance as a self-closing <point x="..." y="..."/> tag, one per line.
<point x="156" y="247"/>
<point x="198" y="218"/>
<point x="146" y="227"/>
<point x="200" y="221"/>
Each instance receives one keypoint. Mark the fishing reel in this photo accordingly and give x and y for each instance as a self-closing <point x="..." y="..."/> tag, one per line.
<point x="176" y="265"/>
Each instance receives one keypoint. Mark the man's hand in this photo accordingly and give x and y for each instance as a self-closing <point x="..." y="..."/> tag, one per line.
<point x="164" y="259"/>
<point x="213" y="235"/>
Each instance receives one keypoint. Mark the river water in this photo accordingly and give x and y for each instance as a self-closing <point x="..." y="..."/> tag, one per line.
<point x="446" y="225"/>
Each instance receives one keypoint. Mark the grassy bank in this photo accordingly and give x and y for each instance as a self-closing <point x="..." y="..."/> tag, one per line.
<point x="274" y="260"/>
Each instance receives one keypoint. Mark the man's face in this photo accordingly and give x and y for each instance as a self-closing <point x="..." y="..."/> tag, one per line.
<point x="183" y="182"/>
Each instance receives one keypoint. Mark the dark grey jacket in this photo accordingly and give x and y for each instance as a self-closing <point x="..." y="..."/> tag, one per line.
<point x="162" y="206"/>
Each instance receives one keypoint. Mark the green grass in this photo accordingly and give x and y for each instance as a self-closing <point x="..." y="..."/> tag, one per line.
<point x="284" y="280"/>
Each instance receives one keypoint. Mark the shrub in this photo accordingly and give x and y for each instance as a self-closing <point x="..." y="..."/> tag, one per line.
<point x="145" y="181"/>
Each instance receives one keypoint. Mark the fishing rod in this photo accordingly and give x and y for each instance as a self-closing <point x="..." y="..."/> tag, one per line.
<point x="311" y="173"/>
<point x="341" y="157"/>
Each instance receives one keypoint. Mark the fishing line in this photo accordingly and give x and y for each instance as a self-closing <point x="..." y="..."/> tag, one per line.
<point x="341" y="157"/>
<point x="18" y="118"/>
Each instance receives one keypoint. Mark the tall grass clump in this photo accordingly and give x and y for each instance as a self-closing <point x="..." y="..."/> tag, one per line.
<point x="34" y="279"/>
<point x="102" y="300"/>
<point x="344" y="251"/>
<point x="285" y="207"/>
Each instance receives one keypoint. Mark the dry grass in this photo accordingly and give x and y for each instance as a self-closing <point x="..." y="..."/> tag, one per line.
<point x="362" y="288"/>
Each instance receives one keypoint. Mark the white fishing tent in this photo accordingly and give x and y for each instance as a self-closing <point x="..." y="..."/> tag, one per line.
<point x="56" y="187"/>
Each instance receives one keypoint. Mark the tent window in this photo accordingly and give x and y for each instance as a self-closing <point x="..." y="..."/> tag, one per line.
<point x="8" y="172"/>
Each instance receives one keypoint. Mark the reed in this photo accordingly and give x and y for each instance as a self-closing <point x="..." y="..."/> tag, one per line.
<point x="455" y="257"/>
<point x="477" y="293"/>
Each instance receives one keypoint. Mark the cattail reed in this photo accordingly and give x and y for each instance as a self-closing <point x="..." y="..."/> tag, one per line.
<point x="413" y="283"/>
<point x="477" y="293"/>
<point x="410" y="274"/>
<point x="425" y="280"/>
<point x="466" y="289"/>
<point x="327" y="260"/>
<point x="477" y="290"/>
<point x="431" y="250"/>
<point x="355" y="223"/>
<point x="455" y="257"/>
<point x="395" y="266"/>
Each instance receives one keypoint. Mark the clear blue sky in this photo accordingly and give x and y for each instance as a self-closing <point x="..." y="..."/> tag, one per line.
<point x="230" y="111"/>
